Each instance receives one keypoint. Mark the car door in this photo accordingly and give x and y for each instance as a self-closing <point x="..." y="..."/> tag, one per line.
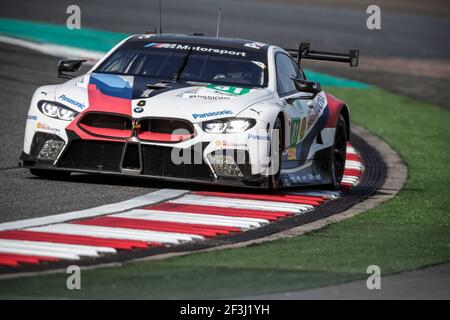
<point x="296" y="104"/>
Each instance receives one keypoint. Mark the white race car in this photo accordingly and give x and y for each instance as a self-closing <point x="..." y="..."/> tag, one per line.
<point x="192" y="108"/>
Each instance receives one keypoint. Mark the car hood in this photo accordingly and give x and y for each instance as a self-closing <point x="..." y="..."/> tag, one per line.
<point x="147" y="97"/>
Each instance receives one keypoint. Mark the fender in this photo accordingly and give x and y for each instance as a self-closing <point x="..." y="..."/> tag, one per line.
<point x="337" y="107"/>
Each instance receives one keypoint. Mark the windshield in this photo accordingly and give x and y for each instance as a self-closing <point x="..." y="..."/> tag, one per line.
<point x="186" y="65"/>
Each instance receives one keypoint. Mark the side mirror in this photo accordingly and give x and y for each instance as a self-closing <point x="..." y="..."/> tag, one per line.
<point x="307" y="86"/>
<point x="68" y="66"/>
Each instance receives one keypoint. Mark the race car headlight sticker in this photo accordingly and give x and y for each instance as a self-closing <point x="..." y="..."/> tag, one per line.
<point x="57" y="111"/>
<point x="228" y="125"/>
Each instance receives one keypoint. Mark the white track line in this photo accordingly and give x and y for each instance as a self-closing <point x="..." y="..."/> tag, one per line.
<point x="352" y="163"/>
<point x="150" y="198"/>
<point x="55" y="50"/>
<point x="118" y="233"/>
<point x="43" y="253"/>
<point x="79" y="250"/>
<point x="242" y="203"/>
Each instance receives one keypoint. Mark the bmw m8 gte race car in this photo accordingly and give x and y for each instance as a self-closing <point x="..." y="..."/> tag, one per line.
<point x="192" y="108"/>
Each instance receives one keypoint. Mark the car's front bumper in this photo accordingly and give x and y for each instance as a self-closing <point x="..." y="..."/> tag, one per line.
<point x="140" y="160"/>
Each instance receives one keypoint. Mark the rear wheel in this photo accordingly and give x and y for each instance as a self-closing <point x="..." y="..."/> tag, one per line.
<point x="50" y="174"/>
<point x="274" y="179"/>
<point x="339" y="153"/>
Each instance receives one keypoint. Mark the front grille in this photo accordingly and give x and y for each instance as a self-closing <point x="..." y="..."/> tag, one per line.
<point x="157" y="161"/>
<point x="131" y="158"/>
<point x="164" y="130"/>
<point x="106" y="125"/>
<point x="93" y="155"/>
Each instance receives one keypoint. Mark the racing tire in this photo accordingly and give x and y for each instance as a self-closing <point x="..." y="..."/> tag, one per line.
<point x="50" y="174"/>
<point x="339" y="153"/>
<point x="274" y="180"/>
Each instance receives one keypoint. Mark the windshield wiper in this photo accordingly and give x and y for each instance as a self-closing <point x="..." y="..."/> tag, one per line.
<point x="183" y="65"/>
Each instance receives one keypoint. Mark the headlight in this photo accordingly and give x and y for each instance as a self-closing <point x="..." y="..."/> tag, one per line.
<point x="57" y="111"/>
<point x="228" y="125"/>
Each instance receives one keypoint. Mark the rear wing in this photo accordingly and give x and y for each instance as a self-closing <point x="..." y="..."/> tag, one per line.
<point x="303" y="52"/>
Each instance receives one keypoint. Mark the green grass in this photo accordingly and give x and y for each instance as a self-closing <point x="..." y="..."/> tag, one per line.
<point x="408" y="232"/>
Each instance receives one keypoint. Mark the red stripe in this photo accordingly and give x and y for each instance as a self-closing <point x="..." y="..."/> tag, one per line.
<point x="353" y="157"/>
<point x="166" y="137"/>
<point x="315" y="201"/>
<point x="213" y="210"/>
<point x="345" y="185"/>
<point x="8" y="262"/>
<point x="352" y="172"/>
<point x="72" y="239"/>
<point x="131" y="223"/>
<point x="13" y="259"/>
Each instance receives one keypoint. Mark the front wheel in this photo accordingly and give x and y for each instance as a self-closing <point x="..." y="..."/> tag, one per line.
<point x="339" y="153"/>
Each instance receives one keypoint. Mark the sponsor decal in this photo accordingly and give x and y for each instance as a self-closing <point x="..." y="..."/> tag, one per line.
<point x="229" y="89"/>
<point x="255" y="45"/>
<point x="319" y="103"/>
<point x="211" y="114"/>
<point x="292" y="153"/>
<point x="298" y="130"/>
<point x="138" y="109"/>
<point x="141" y="103"/>
<point x="72" y="101"/>
<point x="34" y="118"/>
<point x="302" y="130"/>
<point x="177" y="46"/>
<point x="146" y="93"/>
<point x="296" y="178"/>
<point x="44" y="126"/>
<point x="206" y="97"/>
<point x="295" y="126"/>
<point x="136" y="125"/>
<point x="225" y="143"/>
<point x="252" y="136"/>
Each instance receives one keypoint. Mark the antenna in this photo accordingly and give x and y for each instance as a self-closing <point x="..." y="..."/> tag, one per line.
<point x="218" y="22"/>
<point x="160" y="18"/>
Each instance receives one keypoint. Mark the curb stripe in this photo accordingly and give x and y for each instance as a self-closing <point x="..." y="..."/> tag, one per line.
<point x="15" y="259"/>
<point x="72" y="239"/>
<point x="189" y="208"/>
<point x="153" y="197"/>
<point x="315" y="201"/>
<point x="129" y="223"/>
<point x="242" y="204"/>
<point x="190" y="218"/>
<point x="119" y="233"/>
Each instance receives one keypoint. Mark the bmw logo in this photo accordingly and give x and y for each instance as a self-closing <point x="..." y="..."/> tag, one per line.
<point x="138" y="109"/>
